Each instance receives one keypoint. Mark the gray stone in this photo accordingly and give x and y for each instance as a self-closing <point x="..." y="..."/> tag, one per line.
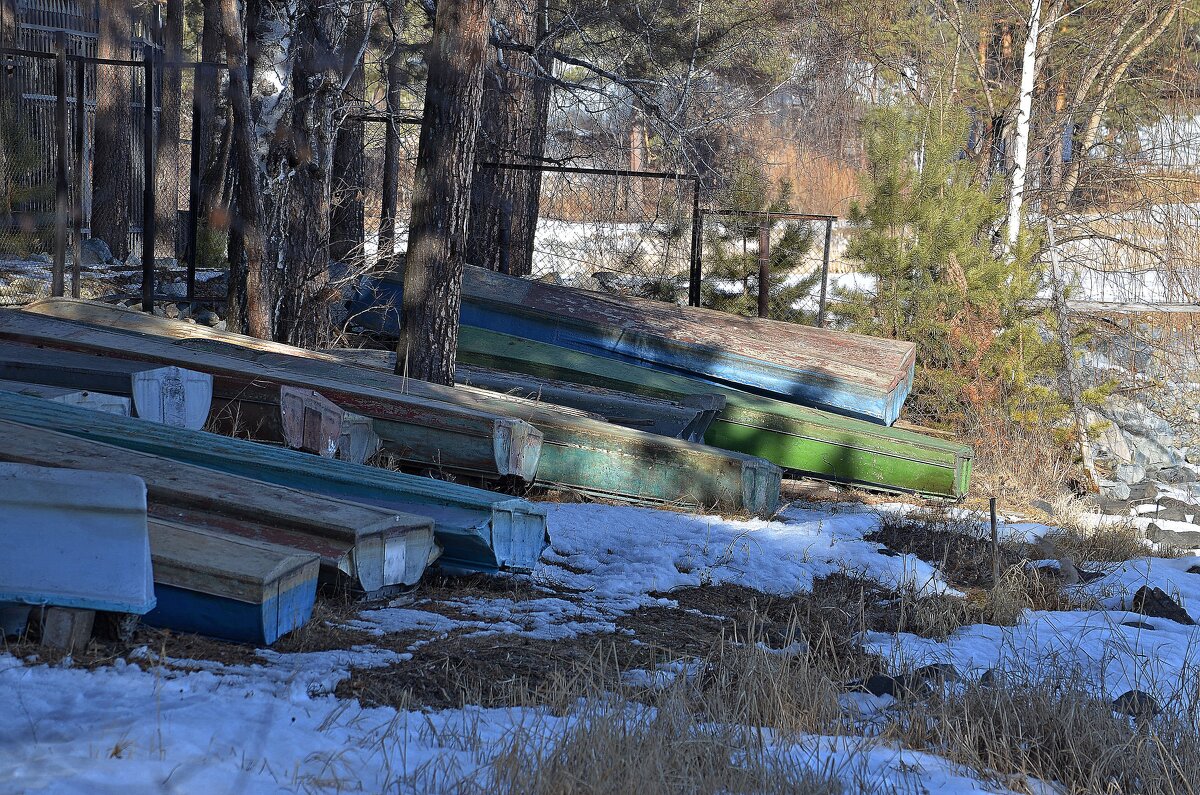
<point x="1136" y="704"/>
<point x="217" y="326"/>
<point x="95" y="251"/>
<point x="1177" y="475"/>
<point x="1130" y="473"/>
<point x="206" y="317"/>
<point x="133" y="261"/>
<point x="1114" y="489"/>
<point x="171" y="311"/>
<point x="45" y="258"/>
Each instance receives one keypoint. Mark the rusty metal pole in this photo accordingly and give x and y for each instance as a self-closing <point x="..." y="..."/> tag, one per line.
<point x="62" y="201"/>
<point x="80" y="180"/>
<point x="825" y="273"/>
<point x="149" y="160"/>
<point x="694" y="271"/>
<point x="764" y="267"/>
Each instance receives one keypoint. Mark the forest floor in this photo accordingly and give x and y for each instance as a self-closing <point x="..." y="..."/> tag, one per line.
<point x="838" y="647"/>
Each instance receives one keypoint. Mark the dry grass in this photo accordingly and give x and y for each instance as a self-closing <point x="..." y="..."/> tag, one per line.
<point x="1052" y="726"/>
<point x="1018" y="467"/>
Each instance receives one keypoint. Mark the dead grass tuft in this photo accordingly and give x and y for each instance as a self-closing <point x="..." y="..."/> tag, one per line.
<point x="1054" y="727"/>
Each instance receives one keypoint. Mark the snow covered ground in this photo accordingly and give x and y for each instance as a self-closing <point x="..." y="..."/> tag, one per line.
<point x="136" y="725"/>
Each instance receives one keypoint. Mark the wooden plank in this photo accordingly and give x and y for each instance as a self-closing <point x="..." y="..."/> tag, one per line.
<point x="464" y="437"/>
<point x="67" y="629"/>
<point x="851" y="374"/>
<point x="687" y="418"/>
<point x="478" y="530"/>
<point x="170" y="395"/>
<point x="373" y="548"/>
<point x="73" y="538"/>
<point x="94" y="401"/>
<point x="579" y="453"/>
<point x="810" y="442"/>
<point x="228" y="586"/>
<point x="311" y="422"/>
<point x="314" y="424"/>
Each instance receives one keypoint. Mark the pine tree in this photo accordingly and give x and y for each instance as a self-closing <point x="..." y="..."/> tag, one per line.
<point x="731" y="262"/>
<point x="925" y="237"/>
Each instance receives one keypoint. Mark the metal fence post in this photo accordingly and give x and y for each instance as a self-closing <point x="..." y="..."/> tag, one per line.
<point x="694" y="274"/>
<point x="764" y="267"/>
<point x="80" y="159"/>
<point x="198" y="122"/>
<point x="148" y="162"/>
<point x="825" y="273"/>
<point x="61" y="195"/>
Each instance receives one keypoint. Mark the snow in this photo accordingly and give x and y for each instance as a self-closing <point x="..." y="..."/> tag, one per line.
<point x="201" y="726"/>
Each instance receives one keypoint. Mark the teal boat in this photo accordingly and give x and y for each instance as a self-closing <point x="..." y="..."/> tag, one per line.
<point x="479" y="531"/>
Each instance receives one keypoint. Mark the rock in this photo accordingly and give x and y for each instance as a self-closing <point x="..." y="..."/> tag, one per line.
<point x="171" y="311"/>
<point x="44" y="258"/>
<point x="95" y="251"/>
<point x="1137" y="625"/>
<point x="1114" y="489"/>
<point x="1130" y="473"/>
<point x="217" y="326"/>
<point x="1177" y="475"/>
<point x="133" y="261"/>
<point x="937" y="673"/>
<point x="1145" y="490"/>
<point x="173" y="289"/>
<point x="1136" y="704"/>
<point x="1174" y="510"/>
<point x="881" y="685"/>
<point x="206" y="317"/>
<point x="1194" y="569"/>
<point x="1155" y="603"/>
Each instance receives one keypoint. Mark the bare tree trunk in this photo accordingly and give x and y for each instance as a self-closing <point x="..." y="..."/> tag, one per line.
<point x="391" y="162"/>
<point x="347" y="233"/>
<point x="249" y="277"/>
<point x="513" y="123"/>
<point x="167" y="177"/>
<point x="113" y="165"/>
<point x="637" y="134"/>
<point x="304" y="295"/>
<point x="442" y="191"/>
<point x="213" y="133"/>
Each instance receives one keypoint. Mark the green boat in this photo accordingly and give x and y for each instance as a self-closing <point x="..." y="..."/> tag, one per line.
<point x="799" y="439"/>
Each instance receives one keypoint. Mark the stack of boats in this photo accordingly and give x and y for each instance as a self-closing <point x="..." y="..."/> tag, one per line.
<point x="326" y="468"/>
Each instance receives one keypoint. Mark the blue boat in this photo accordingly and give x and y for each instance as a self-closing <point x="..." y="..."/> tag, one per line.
<point x="850" y="374"/>
<point x="229" y="587"/>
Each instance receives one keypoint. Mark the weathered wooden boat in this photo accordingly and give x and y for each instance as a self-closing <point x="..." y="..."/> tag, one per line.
<point x="170" y="395"/>
<point x="814" y="443"/>
<point x="74" y="539"/>
<point x="315" y="424"/>
<point x="479" y="531"/>
<point x="227" y="586"/>
<point x="578" y="453"/>
<point x="94" y="401"/>
<point x="370" y="548"/>
<point x="850" y="374"/>
<point x="687" y="418"/>
<point x="418" y="430"/>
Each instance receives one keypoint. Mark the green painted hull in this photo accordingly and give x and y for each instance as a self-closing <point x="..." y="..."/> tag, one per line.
<point x="799" y="439"/>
